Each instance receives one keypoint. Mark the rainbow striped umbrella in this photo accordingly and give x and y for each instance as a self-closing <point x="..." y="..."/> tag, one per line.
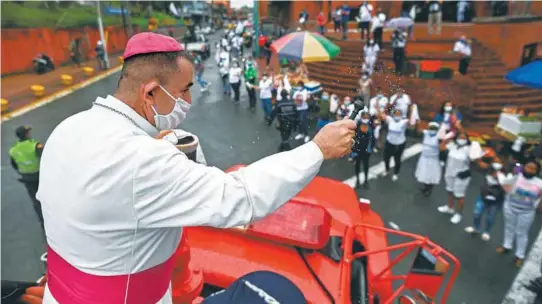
<point x="305" y="46"/>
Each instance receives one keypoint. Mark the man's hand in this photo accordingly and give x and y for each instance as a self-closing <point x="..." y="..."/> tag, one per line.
<point x="163" y="133"/>
<point x="335" y="139"/>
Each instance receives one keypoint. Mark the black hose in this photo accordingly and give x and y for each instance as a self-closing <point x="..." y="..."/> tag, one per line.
<point x="315" y="276"/>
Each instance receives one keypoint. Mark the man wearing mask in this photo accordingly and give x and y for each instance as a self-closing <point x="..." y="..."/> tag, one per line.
<point x="303" y="17"/>
<point x="378" y="104"/>
<point x="370" y="51"/>
<point x="365" y="16"/>
<point x="25" y="159"/>
<point x="324" y="111"/>
<point x="435" y="16"/>
<point x="344" y="20"/>
<point x="115" y="201"/>
<point x="300" y="98"/>
<point x="235" y="75"/>
<point x="250" y="81"/>
<point x="265" y="86"/>
<point x="378" y="26"/>
<point x="286" y="113"/>
<point x="398" y="43"/>
<point x="462" y="47"/>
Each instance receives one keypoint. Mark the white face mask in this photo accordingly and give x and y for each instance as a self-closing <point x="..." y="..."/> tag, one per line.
<point x="364" y="77"/>
<point x="347" y="102"/>
<point x="496" y="166"/>
<point x="364" y="121"/>
<point x="448" y="109"/>
<point x="461" y="142"/>
<point x="173" y="119"/>
<point x="397" y="118"/>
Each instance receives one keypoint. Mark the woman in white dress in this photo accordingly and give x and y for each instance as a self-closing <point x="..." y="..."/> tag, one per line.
<point x="461" y="152"/>
<point x="428" y="170"/>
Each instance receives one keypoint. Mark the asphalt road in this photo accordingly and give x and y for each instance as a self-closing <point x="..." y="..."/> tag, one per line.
<point x="232" y="134"/>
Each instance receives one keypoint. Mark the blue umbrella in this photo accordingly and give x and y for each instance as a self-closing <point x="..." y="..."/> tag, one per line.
<point x="529" y="75"/>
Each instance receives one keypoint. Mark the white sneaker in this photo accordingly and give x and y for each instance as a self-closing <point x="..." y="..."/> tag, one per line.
<point x="298" y="136"/>
<point x="456" y="218"/>
<point x="470" y="230"/>
<point x="442" y="164"/>
<point x="307" y="139"/>
<point x="445" y="209"/>
<point x="485" y="236"/>
<point x="394" y="177"/>
<point x="203" y="89"/>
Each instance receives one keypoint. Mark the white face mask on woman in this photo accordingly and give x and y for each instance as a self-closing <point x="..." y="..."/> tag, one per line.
<point x="461" y="142"/>
<point x="175" y="117"/>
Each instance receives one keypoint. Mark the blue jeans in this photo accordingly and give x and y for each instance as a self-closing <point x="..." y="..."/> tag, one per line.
<point x="200" y="80"/>
<point x="266" y="106"/>
<point x="322" y="30"/>
<point x="480" y="207"/>
<point x="303" y="122"/>
<point x="321" y="123"/>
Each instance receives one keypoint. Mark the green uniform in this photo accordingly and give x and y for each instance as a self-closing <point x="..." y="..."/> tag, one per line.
<point x="24" y="154"/>
<point x="250" y="73"/>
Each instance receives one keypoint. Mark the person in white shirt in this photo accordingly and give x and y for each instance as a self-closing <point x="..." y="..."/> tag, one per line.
<point x="377" y="24"/>
<point x="461" y="152"/>
<point x="345" y="108"/>
<point x="378" y="104"/>
<point x="401" y="101"/>
<point x="520" y="206"/>
<point x="395" y="141"/>
<point x="334" y="103"/>
<point x="300" y="98"/>
<point x="224" y="70"/>
<point x="283" y="83"/>
<point x="462" y="47"/>
<point x="239" y="28"/>
<point x="115" y="199"/>
<point x="461" y="10"/>
<point x="266" y="87"/>
<point x="428" y="171"/>
<point x="237" y="43"/>
<point x="370" y="50"/>
<point x="364" y="18"/>
<point x="234" y="77"/>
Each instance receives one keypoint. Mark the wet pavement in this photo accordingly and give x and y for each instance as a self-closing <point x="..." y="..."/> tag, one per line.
<point x="233" y="134"/>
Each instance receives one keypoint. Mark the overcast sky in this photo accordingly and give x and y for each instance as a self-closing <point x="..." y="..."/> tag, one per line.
<point x="241" y="3"/>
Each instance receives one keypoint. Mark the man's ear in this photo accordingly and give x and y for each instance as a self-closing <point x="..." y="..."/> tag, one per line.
<point x="147" y="92"/>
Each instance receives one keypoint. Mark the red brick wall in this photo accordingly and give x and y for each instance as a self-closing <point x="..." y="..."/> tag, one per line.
<point x="20" y="46"/>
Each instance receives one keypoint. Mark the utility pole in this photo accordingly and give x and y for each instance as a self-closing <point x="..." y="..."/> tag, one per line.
<point x="128" y="19"/>
<point x="256" y="26"/>
<point x="101" y="27"/>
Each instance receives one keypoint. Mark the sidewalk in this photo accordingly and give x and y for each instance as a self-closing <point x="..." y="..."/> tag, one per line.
<point x="16" y="89"/>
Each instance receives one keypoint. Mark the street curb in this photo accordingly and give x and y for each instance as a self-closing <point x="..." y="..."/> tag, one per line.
<point x="64" y="92"/>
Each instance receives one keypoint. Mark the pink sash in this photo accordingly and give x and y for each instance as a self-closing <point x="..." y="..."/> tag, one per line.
<point x="70" y="285"/>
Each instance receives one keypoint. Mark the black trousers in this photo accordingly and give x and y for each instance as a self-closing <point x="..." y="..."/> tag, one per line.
<point x="32" y="189"/>
<point x="337" y="25"/>
<point x="364" y="29"/>
<point x="395" y="151"/>
<point x="362" y="157"/>
<point x="285" y="133"/>
<point x="251" y="97"/>
<point x="399" y="59"/>
<point x="464" y="65"/>
<point x="377" y="35"/>
<point x="235" y="86"/>
<point x="268" y="58"/>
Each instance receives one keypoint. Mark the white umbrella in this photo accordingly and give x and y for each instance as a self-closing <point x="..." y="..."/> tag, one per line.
<point x="400" y="22"/>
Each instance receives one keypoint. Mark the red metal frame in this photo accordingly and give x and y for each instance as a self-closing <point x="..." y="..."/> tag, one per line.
<point x="417" y="242"/>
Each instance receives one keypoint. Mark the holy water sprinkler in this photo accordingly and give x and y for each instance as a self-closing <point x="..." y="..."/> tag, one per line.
<point x="358" y="106"/>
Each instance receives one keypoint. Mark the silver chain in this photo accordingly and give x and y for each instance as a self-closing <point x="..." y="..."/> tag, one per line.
<point x="118" y="112"/>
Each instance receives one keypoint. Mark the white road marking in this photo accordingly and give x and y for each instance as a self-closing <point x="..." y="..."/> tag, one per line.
<point x="518" y="294"/>
<point x="378" y="169"/>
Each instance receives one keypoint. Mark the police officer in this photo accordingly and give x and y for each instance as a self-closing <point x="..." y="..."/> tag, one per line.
<point x="286" y="112"/>
<point x="25" y="158"/>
